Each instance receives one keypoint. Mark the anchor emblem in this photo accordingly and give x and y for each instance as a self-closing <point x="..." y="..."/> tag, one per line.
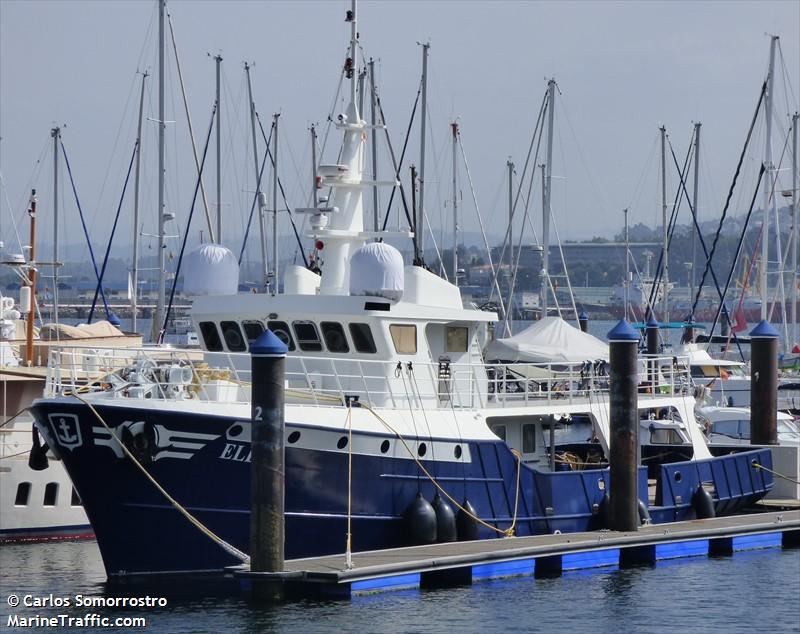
<point x="66" y="430"/>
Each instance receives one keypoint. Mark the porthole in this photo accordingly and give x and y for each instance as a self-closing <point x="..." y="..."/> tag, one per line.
<point x="678" y="476"/>
<point x="293" y="437"/>
<point x="422" y="449"/>
<point x="342" y="442"/>
<point x="457" y="452"/>
<point x="385" y="446"/>
<point x="235" y="430"/>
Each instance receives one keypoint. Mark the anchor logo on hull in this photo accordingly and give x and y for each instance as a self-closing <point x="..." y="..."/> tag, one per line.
<point x="66" y="429"/>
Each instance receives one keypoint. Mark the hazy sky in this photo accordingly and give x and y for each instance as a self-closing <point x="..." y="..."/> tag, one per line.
<point x="623" y="68"/>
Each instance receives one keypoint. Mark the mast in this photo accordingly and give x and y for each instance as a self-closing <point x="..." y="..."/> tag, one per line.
<point x="274" y="285"/>
<point x="664" y="232"/>
<point x="162" y="279"/>
<point x="218" y="60"/>
<point x="261" y="222"/>
<point x="421" y="223"/>
<point x="343" y="214"/>
<point x="31" y="281"/>
<point x="135" y="264"/>
<point x="372" y="120"/>
<point x="510" y="167"/>
<point x="548" y="181"/>
<point x="626" y="284"/>
<point x="454" y="126"/>
<point x="314" y="195"/>
<point x="56" y="134"/>
<point x="795" y="121"/>
<point x="763" y="279"/>
<point x="697" y="127"/>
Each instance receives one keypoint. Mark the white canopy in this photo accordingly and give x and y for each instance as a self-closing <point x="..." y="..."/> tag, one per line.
<point x="548" y="340"/>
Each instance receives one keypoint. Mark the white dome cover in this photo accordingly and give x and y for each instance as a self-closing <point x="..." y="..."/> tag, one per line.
<point x="211" y="269"/>
<point x="376" y="269"/>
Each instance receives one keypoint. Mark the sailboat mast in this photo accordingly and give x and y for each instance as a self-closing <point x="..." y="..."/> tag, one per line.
<point x="548" y="182"/>
<point x="510" y="166"/>
<point x="454" y="126"/>
<point x="423" y="120"/>
<point x="261" y="223"/>
<point x="768" y="176"/>
<point x="274" y="286"/>
<point x="697" y="127"/>
<point x="162" y="279"/>
<point x="795" y="121"/>
<point x="373" y="118"/>
<point x="218" y="60"/>
<point x="135" y="264"/>
<point x="627" y="283"/>
<point x="664" y="229"/>
<point x="56" y="134"/>
<point x="31" y="282"/>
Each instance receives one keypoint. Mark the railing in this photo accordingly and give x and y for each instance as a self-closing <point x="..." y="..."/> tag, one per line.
<point x="171" y="374"/>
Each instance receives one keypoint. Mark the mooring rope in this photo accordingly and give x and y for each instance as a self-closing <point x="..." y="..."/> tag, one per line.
<point x="509" y="532"/>
<point x="348" y="550"/>
<point x="17" y="415"/>
<point x="756" y="465"/>
<point x="229" y="548"/>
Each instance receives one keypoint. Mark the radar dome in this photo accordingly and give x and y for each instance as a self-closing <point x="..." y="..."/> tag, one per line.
<point x="376" y="269"/>
<point x="211" y="269"/>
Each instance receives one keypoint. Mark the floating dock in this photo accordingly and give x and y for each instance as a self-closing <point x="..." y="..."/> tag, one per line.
<point x="461" y="563"/>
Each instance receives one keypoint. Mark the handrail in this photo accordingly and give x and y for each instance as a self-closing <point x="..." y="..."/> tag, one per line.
<point x="155" y="372"/>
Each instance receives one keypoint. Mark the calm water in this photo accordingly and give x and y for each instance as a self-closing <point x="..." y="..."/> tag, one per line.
<point x="757" y="591"/>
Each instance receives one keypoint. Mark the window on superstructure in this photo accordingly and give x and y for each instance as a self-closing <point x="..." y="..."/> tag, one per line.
<point x="362" y="338"/>
<point x="307" y="336"/>
<point x="75" y="499"/>
<point x="457" y="338"/>
<point x="335" y="339"/>
<point x="499" y="431"/>
<point x="23" y="494"/>
<point x="404" y="338"/>
<point x="253" y="329"/>
<point x="233" y="336"/>
<point x="281" y="330"/>
<point x="528" y="438"/>
<point x="50" y="494"/>
<point x="211" y="337"/>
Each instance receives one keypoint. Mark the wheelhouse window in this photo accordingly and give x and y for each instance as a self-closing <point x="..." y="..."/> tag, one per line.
<point x="253" y="329"/>
<point x="335" y="339"/>
<point x="362" y="338"/>
<point x="307" y="336"/>
<point x="457" y="338"/>
<point x="404" y="338"/>
<point x="233" y="336"/>
<point x="281" y="330"/>
<point x="211" y="338"/>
